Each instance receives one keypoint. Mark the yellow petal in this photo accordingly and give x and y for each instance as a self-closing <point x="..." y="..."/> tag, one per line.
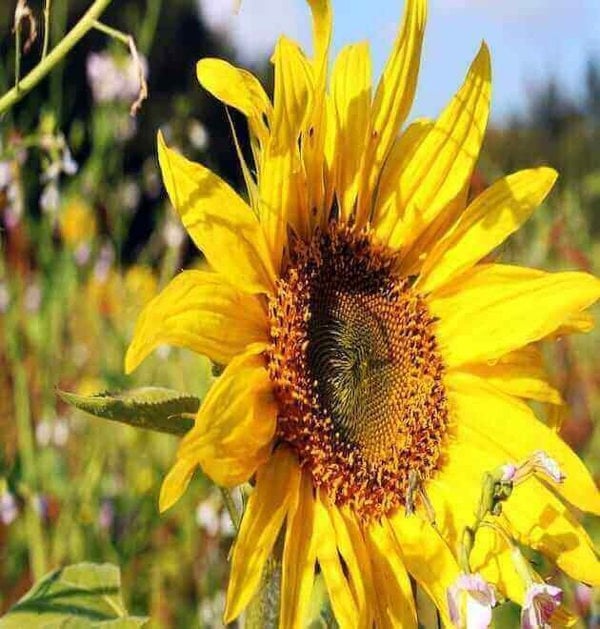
<point x="322" y="22"/>
<point x="202" y="312"/>
<point x="540" y="520"/>
<point x="281" y="181"/>
<point x="385" y="212"/>
<point x="580" y="322"/>
<point x="507" y="427"/>
<point x="519" y="373"/>
<point x="294" y="84"/>
<point x="240" y="89"/>
<point x="428" y="559"/>
<point x="299" y="556"/>
<point x="340" y="595"/>
<point x="235" y="424"/>
<point x="352" y="548"/>
<point x="176" y="482"/>
<point x="330" y="162"/>
<point x="351" y="88"/>
<point x="277" y="484"/>
<point x="485" y="224"/>
<point x="494" y="309"/>
<point x="393" y="99"/>
<point x="313" y="139"/>
<point x="442" y="165"/>
<point x="492" y="557"/>
<point x="220" y="223"/>
<point x="395" y="602"/>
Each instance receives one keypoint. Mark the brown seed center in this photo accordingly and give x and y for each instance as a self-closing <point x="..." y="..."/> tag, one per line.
<point x="357" y="372"/>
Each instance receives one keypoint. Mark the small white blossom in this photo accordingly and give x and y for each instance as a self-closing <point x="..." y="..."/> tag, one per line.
<point x="50" y="198"/>
<point x="173" y="234"/>
<point x="8" y="508"/>
<point x="60" y="433"/>
<point x="198" y="135"/>
<point x="470" y="601"/>
<point x="548" y="466"/>
<point x="112" y="79"/>
<point x="43" y="433"/>
<point x="207" y="517"/>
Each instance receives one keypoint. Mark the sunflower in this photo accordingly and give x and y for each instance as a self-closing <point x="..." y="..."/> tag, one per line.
<point x="366" y="347"/>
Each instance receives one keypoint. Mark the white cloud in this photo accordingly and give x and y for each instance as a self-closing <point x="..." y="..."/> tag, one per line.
<point x="254" y="29"/>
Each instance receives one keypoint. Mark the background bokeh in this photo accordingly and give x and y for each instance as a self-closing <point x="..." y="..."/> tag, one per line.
<point x="87" y="237"/>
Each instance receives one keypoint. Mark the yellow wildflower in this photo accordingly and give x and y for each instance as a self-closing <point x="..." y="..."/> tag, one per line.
<point x="77" y="223"/>
<point x="365" y="343"/>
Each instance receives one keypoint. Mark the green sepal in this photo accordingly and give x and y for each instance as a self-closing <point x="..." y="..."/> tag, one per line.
<point x="151" y="408"/>
<point x="79" y="596"/>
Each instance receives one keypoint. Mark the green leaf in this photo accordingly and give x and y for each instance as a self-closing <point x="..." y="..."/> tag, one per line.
<point x="74" y="597"/>
<point x="152" y="408"/>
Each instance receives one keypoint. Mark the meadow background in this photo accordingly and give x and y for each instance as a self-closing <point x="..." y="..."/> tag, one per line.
<point x="87" y="237"/>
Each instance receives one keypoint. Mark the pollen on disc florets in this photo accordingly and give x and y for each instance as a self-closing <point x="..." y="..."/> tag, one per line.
<point x="356" y="371"/>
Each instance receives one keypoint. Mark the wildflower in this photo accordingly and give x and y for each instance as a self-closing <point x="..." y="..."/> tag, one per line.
<point x="77" y="223"/>
<point x="368" y="352"/>
<point x="541" y="601"/>
<point x="50" y="198"/>
<point x="470" y="600"/>
<point x="114" y="79"/>
<point x="198" y="135"/>
<point x="207" y="517"/>
<point x="173" y="234"/>
<point x="43" y="433"/>
<point x="8" y="508"/>
<point x="106" y="515"/>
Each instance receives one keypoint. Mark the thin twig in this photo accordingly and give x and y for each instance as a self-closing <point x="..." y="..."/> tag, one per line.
<point x="130" y="42"/>
<point x="54" y="56"/>
<point x="47" y="4"/>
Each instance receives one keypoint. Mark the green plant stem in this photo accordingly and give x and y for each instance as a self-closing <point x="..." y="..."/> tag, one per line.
<point x="148" y="29"/>
<point x="111" y="32"/>
<point x="231" y="508"/>
<point x="47" y="4"/>
<point x="35" y="537"/>
<point x="85" y="24"/>
<point x="17" y="54"/>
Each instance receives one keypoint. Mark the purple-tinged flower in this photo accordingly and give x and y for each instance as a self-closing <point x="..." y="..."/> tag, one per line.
<point x="470" y="601"/>
<point x="114" y="80"/>
<point x="508" y="472"/>
<point x="541" y="601"/>
<point x="106" y="516"/>
<point x="8" y="508"/>
<point x="82" y="254"/>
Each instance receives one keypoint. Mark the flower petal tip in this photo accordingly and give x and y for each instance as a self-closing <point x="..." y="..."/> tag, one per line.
<point x="132" y="359"/>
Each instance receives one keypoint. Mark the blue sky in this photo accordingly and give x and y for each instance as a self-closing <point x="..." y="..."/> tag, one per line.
<point x="530" y="40"/>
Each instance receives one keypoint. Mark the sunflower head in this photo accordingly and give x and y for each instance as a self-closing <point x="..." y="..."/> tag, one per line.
<point x="356" y="370"/>
<point x="375" y="368"/>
